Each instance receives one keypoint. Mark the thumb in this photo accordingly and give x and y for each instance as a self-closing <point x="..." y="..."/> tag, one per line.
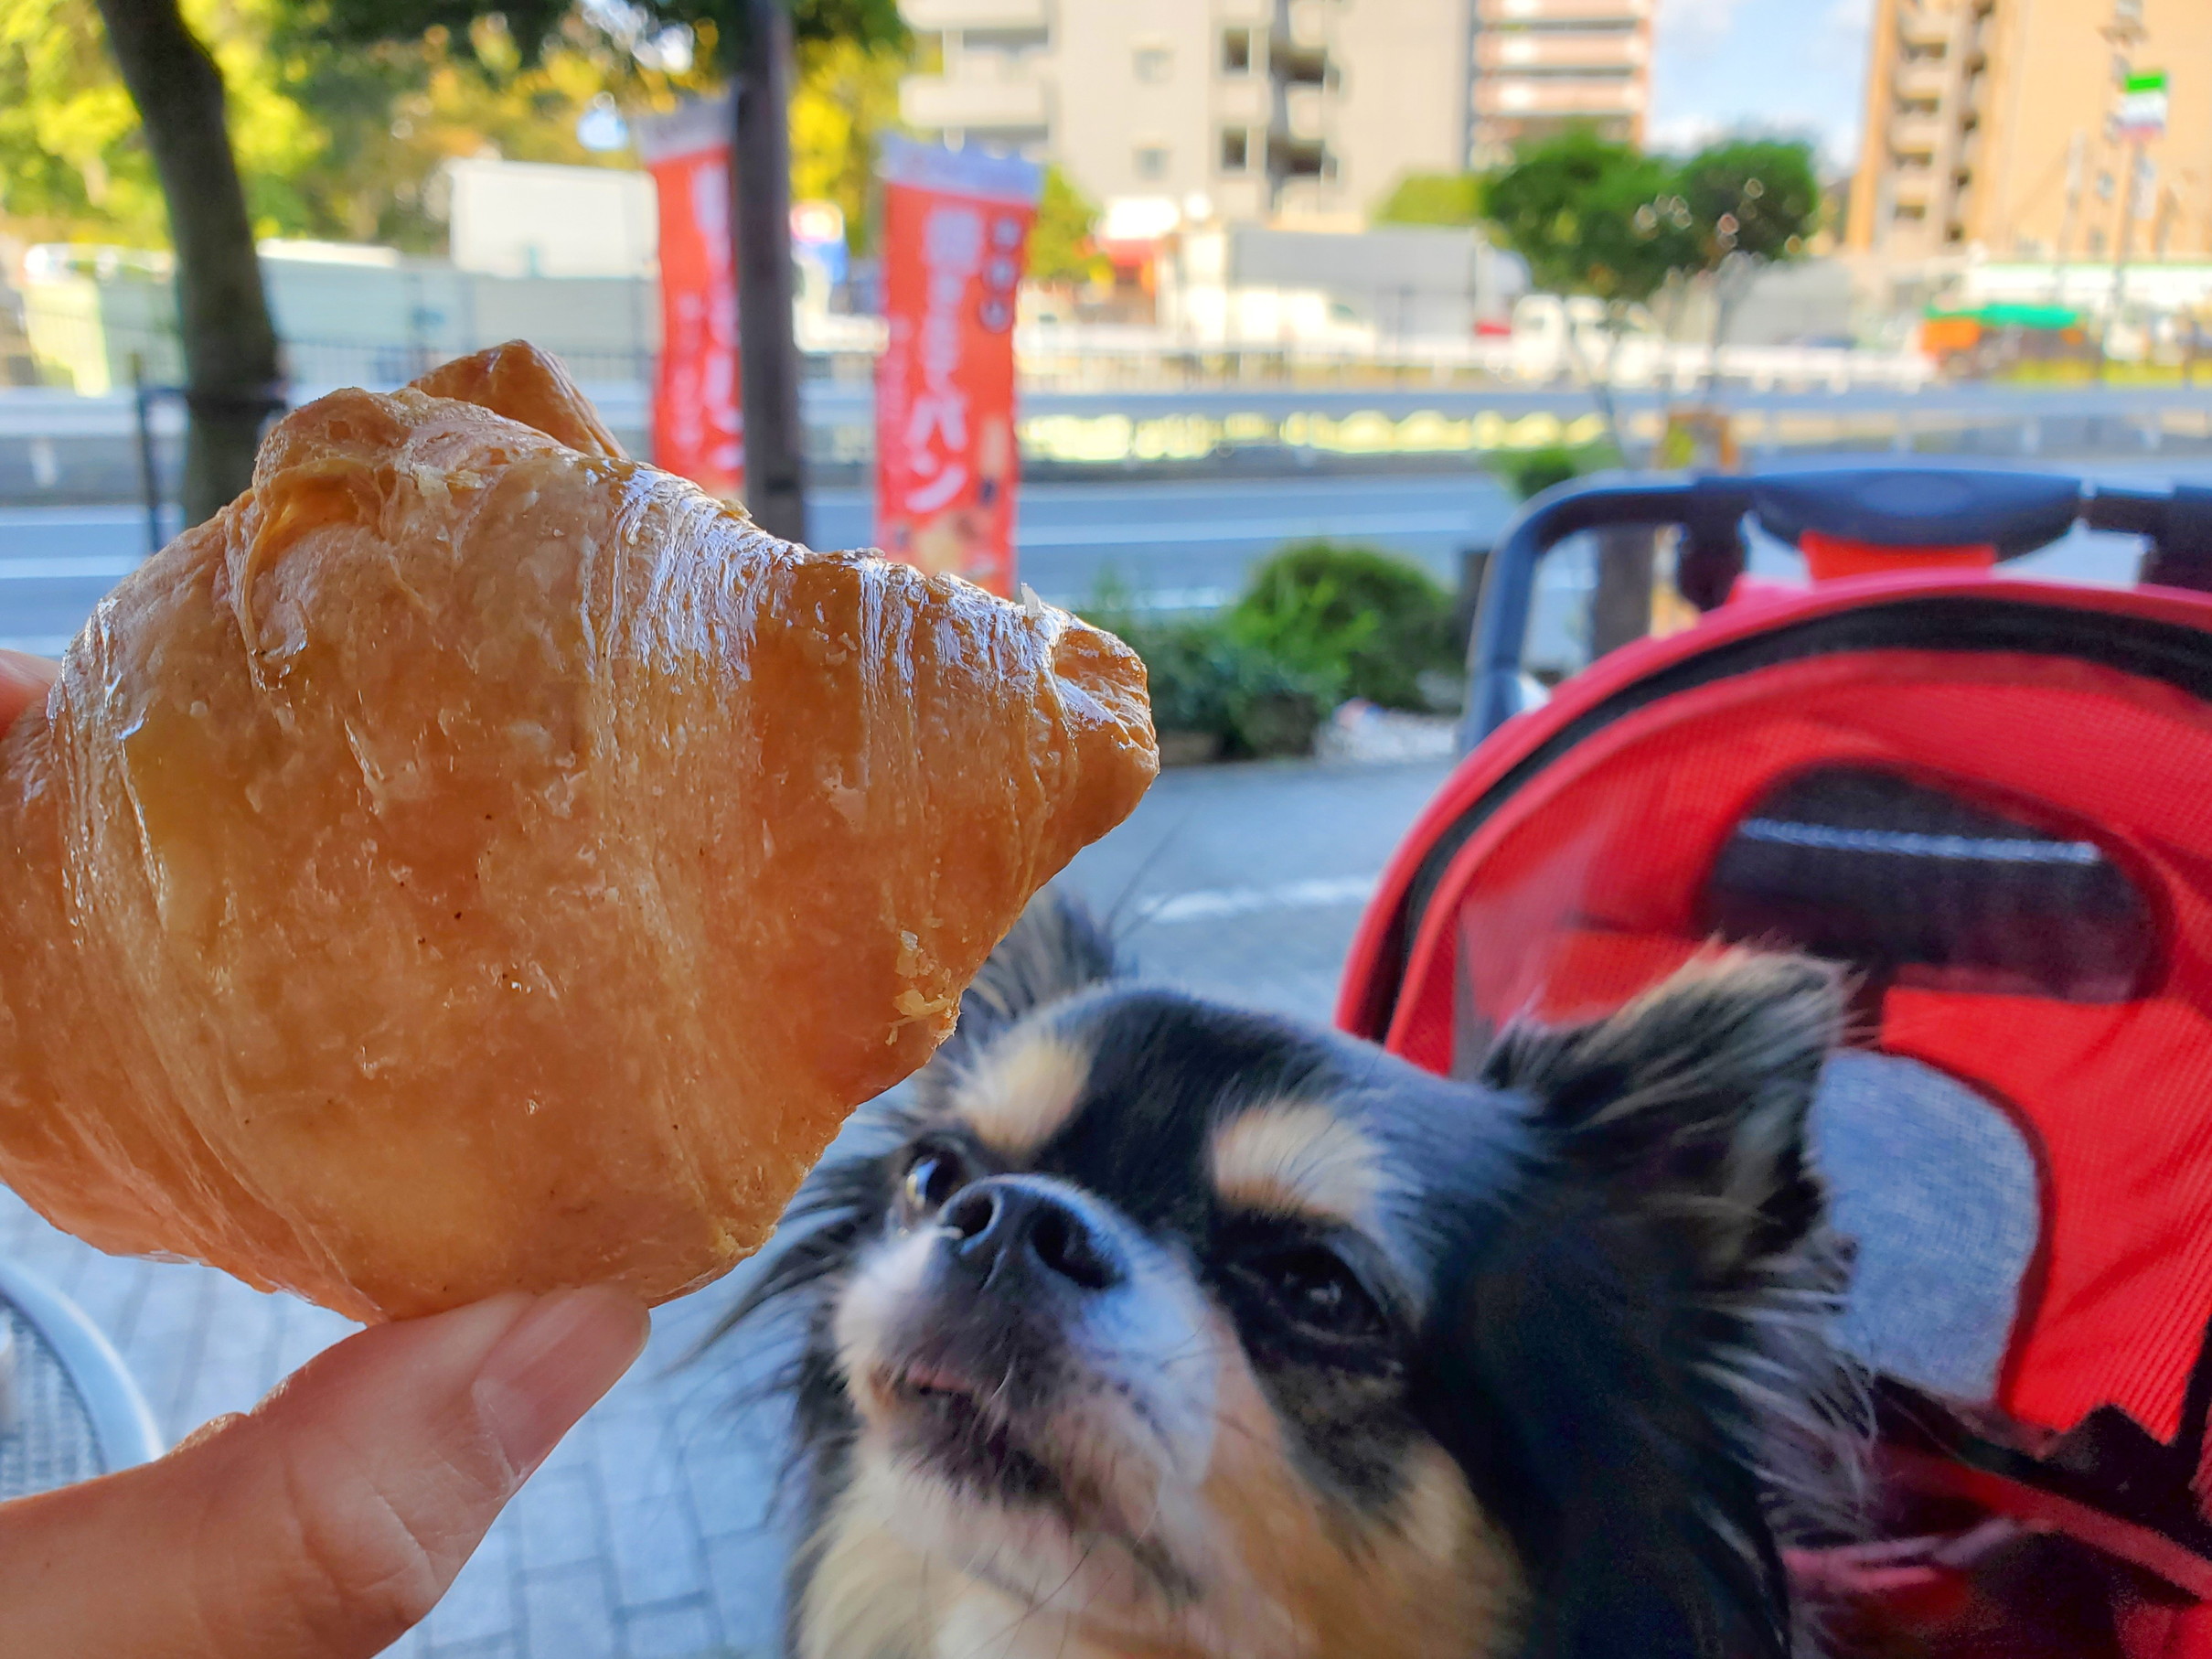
<point x="330" y="1519"/>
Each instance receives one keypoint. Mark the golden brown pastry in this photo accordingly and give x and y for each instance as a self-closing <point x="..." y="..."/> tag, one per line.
<point x="476" y="861"/>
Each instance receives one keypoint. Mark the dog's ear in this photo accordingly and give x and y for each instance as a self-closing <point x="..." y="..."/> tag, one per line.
<point x="1642" y="1347"/>
<point x="1056" y="949"/>
<point x="1692" y="1101"/>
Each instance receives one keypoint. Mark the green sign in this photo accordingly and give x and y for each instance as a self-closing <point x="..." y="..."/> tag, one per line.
<point x="2142" y="107"/>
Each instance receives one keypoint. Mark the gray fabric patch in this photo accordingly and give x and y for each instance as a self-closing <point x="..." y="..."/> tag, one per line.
<point x="1939" y="1188"/>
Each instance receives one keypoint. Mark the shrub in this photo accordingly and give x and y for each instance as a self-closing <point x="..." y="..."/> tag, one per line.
<point x="1205" y="679"/>
<point x="1357" y="623"/>
<point x="1531" y="472"/>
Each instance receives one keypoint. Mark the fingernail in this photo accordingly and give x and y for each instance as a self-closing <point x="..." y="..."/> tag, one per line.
<point x="551" y="1367"/>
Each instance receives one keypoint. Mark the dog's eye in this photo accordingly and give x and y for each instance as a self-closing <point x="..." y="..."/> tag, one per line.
<point x="1314" y="1287"/>
<point x="933" y="1175"/>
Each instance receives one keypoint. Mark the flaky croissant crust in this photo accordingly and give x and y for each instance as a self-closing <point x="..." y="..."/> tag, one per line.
<point x="474" y="861"/>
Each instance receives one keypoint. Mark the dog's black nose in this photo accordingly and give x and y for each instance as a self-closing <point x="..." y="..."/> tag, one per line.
<point x="1006" y="1224"/>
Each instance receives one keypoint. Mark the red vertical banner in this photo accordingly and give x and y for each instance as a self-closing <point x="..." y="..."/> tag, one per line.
<point x="955" y="239"/>
<point x="698" y="421"/>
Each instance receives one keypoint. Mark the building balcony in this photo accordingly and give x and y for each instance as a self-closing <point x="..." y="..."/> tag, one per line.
<point x="1305" y="113"/>
<point x="1917" y="134"/>
<point x="1491" y="13"/>
<point x="1505" y="50"/>
<point x="1921" y="26"/>
<point x="938" y="104"/>
<point x="1921" y="80"/>
<point x="1912" y="187"/>
<point x="1297" y="65"/>
<point x="1303" y="24"/>
<point x="1507" y="95"/>
<point x="926" y="15"/>
<point x="1298" y="158"/>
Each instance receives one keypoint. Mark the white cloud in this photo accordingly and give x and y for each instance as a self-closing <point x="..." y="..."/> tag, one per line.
<point x="1682" y="135"/>
<point x="1697" y="23"/>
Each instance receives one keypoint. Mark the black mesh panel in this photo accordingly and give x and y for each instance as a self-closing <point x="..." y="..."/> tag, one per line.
<point x="1911" y="885"/>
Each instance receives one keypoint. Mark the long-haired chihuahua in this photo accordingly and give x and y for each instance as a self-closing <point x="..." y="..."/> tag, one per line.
<point x="1144" y="1326"/>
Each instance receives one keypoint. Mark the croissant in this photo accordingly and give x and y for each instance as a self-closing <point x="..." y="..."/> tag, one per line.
<point x="474" y="861"/>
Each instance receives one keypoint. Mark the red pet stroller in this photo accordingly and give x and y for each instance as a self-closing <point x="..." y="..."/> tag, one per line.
<point x="1991" y="799"/>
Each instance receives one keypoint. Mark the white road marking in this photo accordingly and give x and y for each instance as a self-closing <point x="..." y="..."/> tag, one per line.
<point x="1208" y="905"/>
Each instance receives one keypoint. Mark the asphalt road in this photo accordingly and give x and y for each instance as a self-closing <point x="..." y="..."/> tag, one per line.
<point x="1178" y="545"/>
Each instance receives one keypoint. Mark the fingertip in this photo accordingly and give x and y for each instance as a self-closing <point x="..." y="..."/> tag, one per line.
<point x="23" y="681"/>
<point x="28" y="669"/>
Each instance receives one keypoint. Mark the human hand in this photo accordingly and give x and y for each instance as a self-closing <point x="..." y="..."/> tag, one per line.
<point x="23" y="681"/>
<point x="332" y="1517"/>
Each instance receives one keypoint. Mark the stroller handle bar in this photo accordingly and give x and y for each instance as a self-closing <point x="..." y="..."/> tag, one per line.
<point x="1898" y="508"/>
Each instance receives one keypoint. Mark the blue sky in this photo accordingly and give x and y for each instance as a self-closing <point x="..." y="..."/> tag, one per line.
<point x="1795" y="67"/>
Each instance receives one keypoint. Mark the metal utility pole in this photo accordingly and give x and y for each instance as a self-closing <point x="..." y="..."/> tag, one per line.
<point x="2141" y="117"/>
<point x="768" y="361"/>
<point x="2130" y="202"/>
<point x="2076" y="161"/>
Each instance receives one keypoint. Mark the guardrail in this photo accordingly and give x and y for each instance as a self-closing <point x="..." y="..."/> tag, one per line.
<point x="1096" y="357"/>
<point x="90" y="353"/>
<point x="58" y="447"/>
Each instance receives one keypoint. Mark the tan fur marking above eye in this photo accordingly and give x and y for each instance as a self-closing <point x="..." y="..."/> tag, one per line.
<point x="1022" y="1093"/>
<point x="1294" y="1158"/>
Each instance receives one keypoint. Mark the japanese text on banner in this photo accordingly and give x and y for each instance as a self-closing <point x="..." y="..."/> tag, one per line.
<point x="955" y="233"/>
<point x="698" y="418"/>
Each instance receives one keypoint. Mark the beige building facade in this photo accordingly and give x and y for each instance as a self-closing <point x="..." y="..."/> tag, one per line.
<point x="1541" y="65"/>
<point x="1280" y="111"/>
<point x="1989" y="130"/>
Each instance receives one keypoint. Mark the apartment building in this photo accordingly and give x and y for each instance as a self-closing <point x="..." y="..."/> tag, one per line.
<point x="1989" y="129"/>
<point x="1540" y="65"/>
<point x="1275" y="109"/>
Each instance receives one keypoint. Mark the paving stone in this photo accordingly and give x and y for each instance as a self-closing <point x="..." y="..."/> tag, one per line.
<point x="554" y="1521"/>
<point x="655" y="1540"/>
<point x="569" y="1614"/>
<point x="683" y="1630"/>
<point x="745" y="1579"/>
<point x="483" y="1603"/>
<point x="506" y="1646"/>
<point x="234" y="1360"/>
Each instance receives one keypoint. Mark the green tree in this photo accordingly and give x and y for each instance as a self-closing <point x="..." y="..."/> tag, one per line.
<point x="754" y="42"/>
<point x="1433" y="199"/>
<point x="325" y="142"/>
<point x="1060" y="242"/>
<point x="232" y="377"/>
<point x="1595" y="218"/>
<point x="1601" y="219"/>
<point x="333" y="110"/>
<point x="846" y="97"/>
<point x="1750" y="203"/>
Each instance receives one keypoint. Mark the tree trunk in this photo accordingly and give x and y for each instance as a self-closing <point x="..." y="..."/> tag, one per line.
<point x="1726" y="297"/>
<point x="1601" y="383"/>
<point x="232" y="382"/>
<point x="768" y="361"/>
<point x="1621" y="605"/>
